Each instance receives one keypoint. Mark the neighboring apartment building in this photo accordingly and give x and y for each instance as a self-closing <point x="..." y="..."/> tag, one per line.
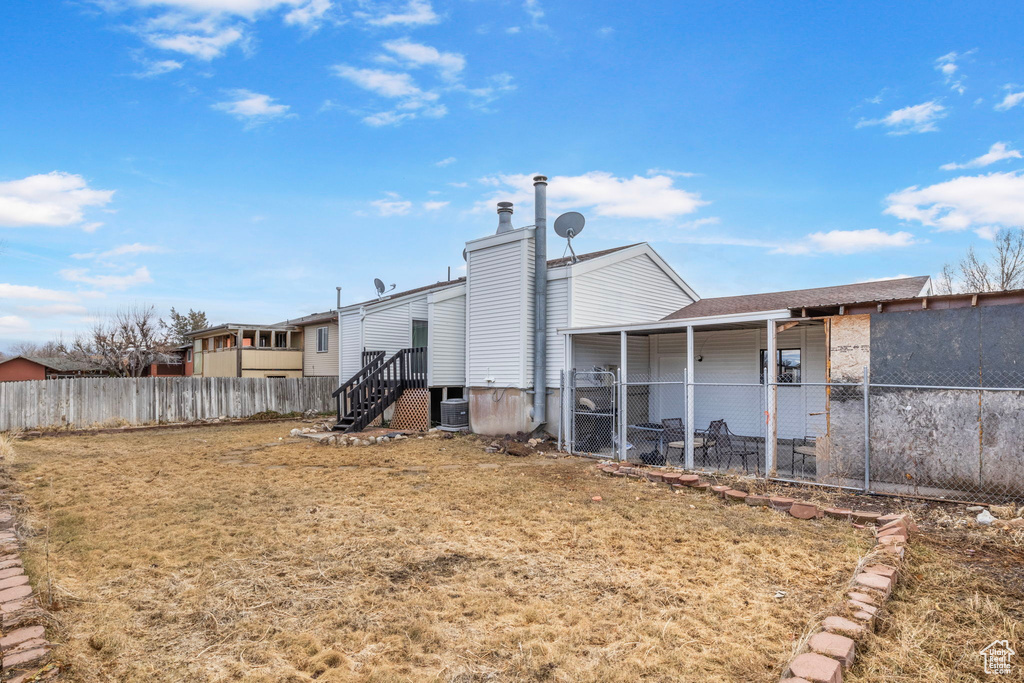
<point x="247" y="350"/>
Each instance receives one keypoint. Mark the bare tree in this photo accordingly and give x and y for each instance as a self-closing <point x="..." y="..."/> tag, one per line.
<point x="50" y="349"/>
<point x="126" y="343"/>
<point x="1004" y="270"/>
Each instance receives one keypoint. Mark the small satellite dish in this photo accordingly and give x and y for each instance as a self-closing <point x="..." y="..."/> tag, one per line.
<point x="379" y="285"/>
<point x="570" y="224"/>
<point x="464" y="257"/>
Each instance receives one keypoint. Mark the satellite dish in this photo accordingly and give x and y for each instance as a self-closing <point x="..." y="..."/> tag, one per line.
<point x="379" y="285"/>
<point x="464" y="258"/>
<point x="570" y="224"/>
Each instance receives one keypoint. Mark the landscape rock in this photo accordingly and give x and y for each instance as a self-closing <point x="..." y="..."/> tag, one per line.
<point x="816" y="668"/>
<point x="839" y="648"/>
<point x="802" y="510"/>
<point x="985" y="518"/>
<point x="844" y="627"/>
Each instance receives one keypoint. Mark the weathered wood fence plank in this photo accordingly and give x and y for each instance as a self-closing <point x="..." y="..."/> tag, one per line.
<point x="106" y="401"/>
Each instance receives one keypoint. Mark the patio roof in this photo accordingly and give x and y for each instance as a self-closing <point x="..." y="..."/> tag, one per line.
<point x="817" y="297"/>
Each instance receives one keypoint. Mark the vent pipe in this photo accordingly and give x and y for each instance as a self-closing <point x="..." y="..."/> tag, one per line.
<point x="540" y="305"/>
<point x="504" y="217"/>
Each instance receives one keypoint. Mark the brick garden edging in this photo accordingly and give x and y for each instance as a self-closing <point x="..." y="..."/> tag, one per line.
<point x="24" y="650"/>
<point x="831" y="649"/>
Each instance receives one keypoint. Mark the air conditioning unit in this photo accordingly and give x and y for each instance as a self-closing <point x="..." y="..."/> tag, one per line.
<point x="454" y="414"/>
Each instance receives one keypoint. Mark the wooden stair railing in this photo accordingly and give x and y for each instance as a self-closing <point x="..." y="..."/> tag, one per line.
<point x="367" y="398"/>
<point x="372" y="360"/>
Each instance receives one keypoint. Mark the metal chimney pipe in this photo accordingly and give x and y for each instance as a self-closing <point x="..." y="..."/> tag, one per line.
<point x="504" y="217"/>
<point x="339" y="297"/>
<point x="540" y="305"/>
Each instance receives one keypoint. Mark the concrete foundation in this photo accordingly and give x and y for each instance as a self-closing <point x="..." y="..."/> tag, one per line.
<point x="500" y="411"/>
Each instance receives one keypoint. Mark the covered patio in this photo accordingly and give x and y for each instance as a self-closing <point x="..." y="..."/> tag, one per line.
<point x="629" y="393"/>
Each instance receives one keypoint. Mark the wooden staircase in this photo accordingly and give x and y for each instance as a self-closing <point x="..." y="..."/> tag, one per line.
<point x="369" y="392"/>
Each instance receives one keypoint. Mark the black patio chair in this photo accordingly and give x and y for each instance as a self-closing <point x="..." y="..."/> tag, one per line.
<point x="731" y="445"/>
<point x="675" y="432"/>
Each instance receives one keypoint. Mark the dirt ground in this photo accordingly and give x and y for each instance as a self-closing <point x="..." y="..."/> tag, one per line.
<point x="227" y="554"/>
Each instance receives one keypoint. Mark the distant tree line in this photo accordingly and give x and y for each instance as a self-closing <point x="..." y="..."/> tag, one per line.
<point x="125" y="343"/>
<point x="1004" y="269"/>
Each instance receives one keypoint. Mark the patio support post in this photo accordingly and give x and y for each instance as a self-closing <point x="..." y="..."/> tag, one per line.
<point x="689" y="399"/>
<point x="623" y="394"/>
<point x="771" y="379"/>
<point x="288" y="342"/>
<point x="867" y="430"/>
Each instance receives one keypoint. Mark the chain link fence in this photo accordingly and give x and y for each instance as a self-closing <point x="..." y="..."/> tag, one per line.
<point x="958" y="437"/>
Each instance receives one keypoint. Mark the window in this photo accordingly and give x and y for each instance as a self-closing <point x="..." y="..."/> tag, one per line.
<point x="280" y="340"/>
<point x="220" y="342"/>
<point x="188" y="355"/>
<point x="787" y="366"/>
<point x="419" y="333"/>
<point x="321" y="340"/>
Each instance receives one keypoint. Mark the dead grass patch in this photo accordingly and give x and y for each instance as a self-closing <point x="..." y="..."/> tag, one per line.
<point x="228" y="555"/>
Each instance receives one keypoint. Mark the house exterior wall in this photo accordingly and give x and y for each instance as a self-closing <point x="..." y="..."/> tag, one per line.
<point x="446" y="363"/>
<point x="20" y="370"/>
<point x="319" y="363"/>
<point x="497" y="299"/>
<point x="351" y="344"/>
<point x="633" y="290"/>
<point x="558" y="317"/>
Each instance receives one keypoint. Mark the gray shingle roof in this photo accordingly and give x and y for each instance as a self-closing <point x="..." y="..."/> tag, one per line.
<point x="880" y="290"/>
<point x="60" y="364"/>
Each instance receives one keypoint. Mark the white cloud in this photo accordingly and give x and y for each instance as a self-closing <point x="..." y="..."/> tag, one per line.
<point x="851" y="241"/>
<point x="605" y="194"/>
<point x="122" y="250"/>
<point x="1011" y="100"/>
<point x="512" y="30"/>
<point x="52" y="310"/>
<point x="434" y="206"/>
<point x="919" y="118"/>
<point x="202" y="40"/>
<point x="497" y="85"/>
<point x="950" y="70"/>
<point x="309" y="14"/>
<point x="967" y="202"/>
<point x="160" y="68"/>
<point x="446" y="162"/>
<point x="997" y="152"/>
<point x="669" y="172"/>
<point x="51" y="199"/>
<point x="33" y="293"/>
<point x="383" y="83"/>
<point x="535" y="12"/>
<point x="251" y="107"/>
<point x="398" y="207"/>
<point x="13" y="324"/>
<point x="138" y="277"/>
<point x="415" y="13"/>
<point x="901" y="276"/>
<point x="605" y="32"/>
<point x="449" y="64"/>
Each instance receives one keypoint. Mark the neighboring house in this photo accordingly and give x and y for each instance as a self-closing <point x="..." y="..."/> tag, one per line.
<point x="320" y="344"/>
<point x="244" y="350"/>
<point x="23" y="368"/>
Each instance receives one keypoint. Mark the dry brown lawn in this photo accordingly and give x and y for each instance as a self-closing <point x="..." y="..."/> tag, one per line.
<point x="224" y="554"/>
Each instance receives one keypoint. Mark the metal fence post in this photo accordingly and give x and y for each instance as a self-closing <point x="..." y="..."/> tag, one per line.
<point x="867" y="431"/>
<point x="561" y="405"/>
<point x="619" y="416"/>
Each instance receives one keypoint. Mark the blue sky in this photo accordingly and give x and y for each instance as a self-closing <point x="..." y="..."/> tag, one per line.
<point x="244" y="157"/>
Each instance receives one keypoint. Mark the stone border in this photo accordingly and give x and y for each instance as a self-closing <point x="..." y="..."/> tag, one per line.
<point x="24" y="650"/>
<point x="831" y="648"/>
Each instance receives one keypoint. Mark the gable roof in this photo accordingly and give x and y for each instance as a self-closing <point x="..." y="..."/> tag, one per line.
<point x="59" y="364"/>
<point x="552" y="263"/>
<point x="880" y="290"/>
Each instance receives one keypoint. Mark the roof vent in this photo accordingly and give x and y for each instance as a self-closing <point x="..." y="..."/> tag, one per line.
<point x="504" y="217"/>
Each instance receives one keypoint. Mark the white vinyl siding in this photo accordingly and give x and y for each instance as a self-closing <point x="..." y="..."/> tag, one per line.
<point x="496" y="306"/>
<point x="602" y="352"/>
<point x="314" y="363"/>
<point x="388" y="329"/>
<point x="351" y="344"/>
<point x="633" y="290"/>
<point x="447" y="345"/>
<point x="418" y="307"/>
<point x="558" y="317"/>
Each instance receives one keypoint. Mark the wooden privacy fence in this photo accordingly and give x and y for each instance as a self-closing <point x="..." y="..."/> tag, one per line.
<point x="105" y="401"/>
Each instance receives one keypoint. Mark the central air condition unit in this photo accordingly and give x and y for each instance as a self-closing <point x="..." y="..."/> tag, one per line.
<point x="454" y="414"/>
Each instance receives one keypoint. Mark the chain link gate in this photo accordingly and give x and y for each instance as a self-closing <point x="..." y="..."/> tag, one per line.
<point x="589" y="412"/>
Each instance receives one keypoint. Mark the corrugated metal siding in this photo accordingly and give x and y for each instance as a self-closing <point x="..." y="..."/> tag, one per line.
<point x="315" y="364"/>
<point x="447" y="351"/>
<point x="388" y="329"/>
<point x="633" y="290"/>
<point x="351" y="345"/>
<point x="495" y="310"/>
<point x="558" y="316"/>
